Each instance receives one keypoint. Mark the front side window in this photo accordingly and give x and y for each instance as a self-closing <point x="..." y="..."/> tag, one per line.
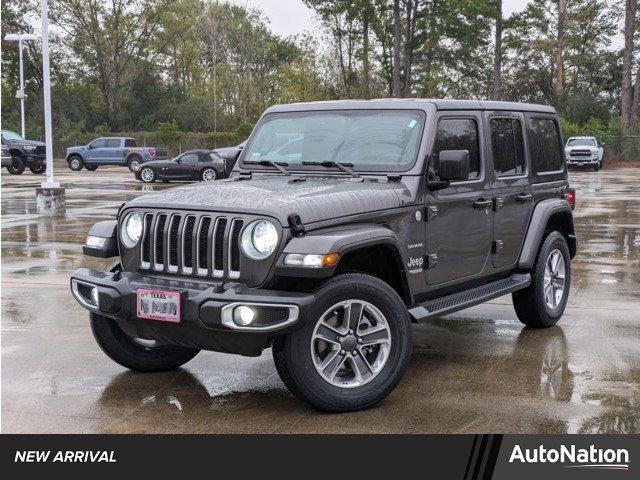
<point x="545" y="145"/>
<point x="99" y="143"/>
<point x="507" y="146"/>
<point x="459" y="134"/>
<point x="375" y="140"/>
<point x="189" y="159"/>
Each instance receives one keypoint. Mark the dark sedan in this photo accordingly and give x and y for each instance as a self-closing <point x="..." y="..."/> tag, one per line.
<point x="204" y="165"/>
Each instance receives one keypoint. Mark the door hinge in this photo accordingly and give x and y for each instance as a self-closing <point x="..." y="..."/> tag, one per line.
<point x="498" y="203"/>
<point x="496" y="246"/>
<point x="432" y="212"/>
<point x="432" y="260"/>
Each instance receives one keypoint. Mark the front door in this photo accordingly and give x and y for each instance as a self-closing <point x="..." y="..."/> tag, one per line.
<point x="187" y="167"/>
<point x="513" y="194"/>
<point x="95" y="153"/>
<point x="459" y="218"/>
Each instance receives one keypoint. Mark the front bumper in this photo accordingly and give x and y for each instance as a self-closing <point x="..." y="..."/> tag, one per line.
<point x="584" y="161"/>
<point x="205" y="310"/>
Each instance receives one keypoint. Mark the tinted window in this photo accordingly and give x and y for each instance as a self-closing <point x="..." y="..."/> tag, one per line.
<point x="189" y="159"/>
<point x="507" y="146"/>
<point x="129" y="142"/>
<point x="460" y="134"/>
<point x="99" y="143"/>
<point x="112" y="142"/>
<point x="545" y="145"/>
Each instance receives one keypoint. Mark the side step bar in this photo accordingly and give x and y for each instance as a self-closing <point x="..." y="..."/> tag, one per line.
<point x="468" y="298"/>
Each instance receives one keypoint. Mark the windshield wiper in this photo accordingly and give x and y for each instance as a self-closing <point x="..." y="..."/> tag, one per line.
<point x="330" y="163"/>
<point x="270" y="163"/>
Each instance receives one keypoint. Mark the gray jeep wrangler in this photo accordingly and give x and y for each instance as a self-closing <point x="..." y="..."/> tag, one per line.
<point x="343" y="222"/>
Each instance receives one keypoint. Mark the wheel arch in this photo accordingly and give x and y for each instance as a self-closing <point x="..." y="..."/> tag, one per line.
<point x="549" y="215"/>
<point x="370" y="249"/>
<point x="14" y="151"/>
<point x="74" y="154"/>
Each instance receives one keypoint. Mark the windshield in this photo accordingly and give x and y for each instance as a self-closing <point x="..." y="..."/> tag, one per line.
<point x="366" y="139"/>
<point x="581" y="142"/>
<point x="9" y="135"/>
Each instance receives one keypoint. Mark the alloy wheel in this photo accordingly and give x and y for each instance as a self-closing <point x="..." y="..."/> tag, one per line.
<point x="208" y="175"/>
<point x="147" y="175"/>
<point x="350" y="344"/>
<point x="554" y="279"/>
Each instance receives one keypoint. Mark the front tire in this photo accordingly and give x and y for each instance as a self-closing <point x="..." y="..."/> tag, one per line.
<point x="147" y="175"/>
<point x="17" y="165"/>
<point x="542" y="303"/>
<point x="75" y="163"/>
<point x="137" y="354"/>
<point x="208" y="175"/>
<point x="353" y="348"/>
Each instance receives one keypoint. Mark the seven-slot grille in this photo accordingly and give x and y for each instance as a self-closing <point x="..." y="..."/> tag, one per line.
<point x="191" y="244"/>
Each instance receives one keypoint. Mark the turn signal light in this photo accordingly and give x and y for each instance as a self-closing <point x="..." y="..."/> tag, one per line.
<point x="570" y="197"/>
<point x="311" y="260"/>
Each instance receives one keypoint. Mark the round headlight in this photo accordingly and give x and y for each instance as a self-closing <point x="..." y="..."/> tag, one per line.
<point x="259" y="239"/>
<point x="131" y="230"/>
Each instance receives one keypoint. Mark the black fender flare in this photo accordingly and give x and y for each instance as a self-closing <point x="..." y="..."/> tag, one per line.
<point x="341" y="240"/>
<point x="540" y="217"/>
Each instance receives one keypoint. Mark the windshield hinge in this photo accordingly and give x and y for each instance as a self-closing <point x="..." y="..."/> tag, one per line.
<point x="394" y="178"/>
<point x="243" y="176"/>
<point x="295" y="223"/>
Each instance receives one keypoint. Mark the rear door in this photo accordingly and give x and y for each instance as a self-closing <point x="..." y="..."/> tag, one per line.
<point x="113" y="151"/>
<point x="512" y="191"/>
<point x="459" y="218"/>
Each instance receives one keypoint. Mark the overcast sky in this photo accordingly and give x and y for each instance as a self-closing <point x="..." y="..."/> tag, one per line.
<point x="289" y="17"/>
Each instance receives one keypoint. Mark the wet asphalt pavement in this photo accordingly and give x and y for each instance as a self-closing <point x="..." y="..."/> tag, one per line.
<point x="471" y="372"/>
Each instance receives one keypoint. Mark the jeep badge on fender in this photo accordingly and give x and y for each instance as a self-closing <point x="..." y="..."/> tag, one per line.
<point x="312" y="247"/>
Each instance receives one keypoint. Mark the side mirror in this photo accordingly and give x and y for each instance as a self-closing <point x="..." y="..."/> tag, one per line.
<point x="453" y="165"/>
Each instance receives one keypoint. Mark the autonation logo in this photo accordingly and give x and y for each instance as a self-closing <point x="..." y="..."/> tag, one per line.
<point x="573" y="457"/>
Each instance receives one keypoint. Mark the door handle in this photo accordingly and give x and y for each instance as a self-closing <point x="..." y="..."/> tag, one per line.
<point x="481" y="204"/>
<point x="524" y="197"/>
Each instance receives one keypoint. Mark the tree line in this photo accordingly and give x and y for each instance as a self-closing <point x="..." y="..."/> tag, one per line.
<point x="210" y="66"/>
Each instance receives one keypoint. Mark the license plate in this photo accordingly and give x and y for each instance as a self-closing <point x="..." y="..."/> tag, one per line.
<point x="159" y="305"/>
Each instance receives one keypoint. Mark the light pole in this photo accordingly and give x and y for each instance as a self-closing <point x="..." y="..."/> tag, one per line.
<point x="21" y="37"/>
<point x="50" y="198"/>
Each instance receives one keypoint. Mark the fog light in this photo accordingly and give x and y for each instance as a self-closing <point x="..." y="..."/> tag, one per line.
<point x="243" y="315"/>
<point x="94" y="296"/>
<point x="95" y="242"/>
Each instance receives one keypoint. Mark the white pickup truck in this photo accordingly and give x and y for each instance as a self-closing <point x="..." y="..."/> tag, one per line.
<point x="584" y="152"/>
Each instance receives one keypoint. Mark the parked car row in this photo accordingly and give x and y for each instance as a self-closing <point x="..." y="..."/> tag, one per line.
<point x="19" y="153"/>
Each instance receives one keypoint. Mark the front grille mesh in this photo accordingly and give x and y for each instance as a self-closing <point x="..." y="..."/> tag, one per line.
<point x="193" y="244"/>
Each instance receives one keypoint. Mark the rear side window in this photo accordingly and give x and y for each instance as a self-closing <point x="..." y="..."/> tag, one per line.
<point x="460" y="134"/>
<point x="545" y="145"/>
<point x="129" y="142"/>
<point x="507" y="146"/>
<point x="112" y="142"/>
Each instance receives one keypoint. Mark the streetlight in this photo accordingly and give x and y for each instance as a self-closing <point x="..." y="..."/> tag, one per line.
<point x="21" y="37"/>
<point x="46" y="80"/>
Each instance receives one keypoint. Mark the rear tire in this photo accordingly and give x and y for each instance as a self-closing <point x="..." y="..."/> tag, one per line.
<point x="147" y="175"/>
<point x="75" y="163"/>
<point x="541" y="304"/>
<point x="356" y="375"/>
<point x="208" y="175"/>
<point x="134" y="163"/>
<point x="91" y="168"/>
<point x="133" y="354"/>
<point x="17" y="165"/>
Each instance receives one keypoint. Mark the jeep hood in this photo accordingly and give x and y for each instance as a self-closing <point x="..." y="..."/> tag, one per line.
<point x="314" y="199"/>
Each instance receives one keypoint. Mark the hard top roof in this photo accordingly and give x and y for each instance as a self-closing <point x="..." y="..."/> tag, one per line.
<point x="422" y="103"/>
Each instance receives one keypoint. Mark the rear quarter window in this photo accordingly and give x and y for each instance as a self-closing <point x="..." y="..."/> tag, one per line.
<point x="545" y="145"/>
<point x="130" y="142"/>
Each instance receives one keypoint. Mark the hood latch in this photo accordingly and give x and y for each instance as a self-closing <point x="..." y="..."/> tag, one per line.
<point x="295" y="223"/>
